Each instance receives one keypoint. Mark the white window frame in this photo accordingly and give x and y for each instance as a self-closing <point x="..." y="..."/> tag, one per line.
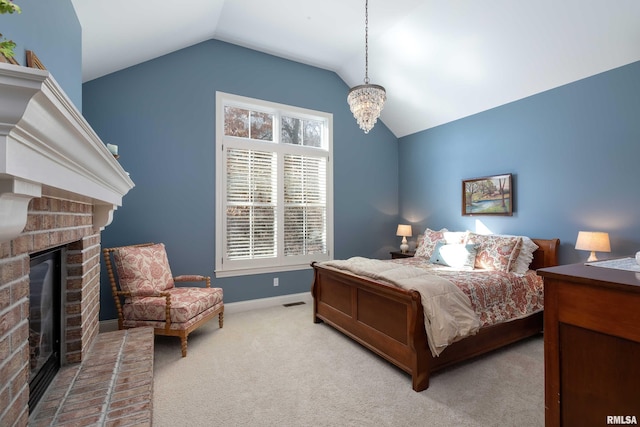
<point x="224" y="267"/>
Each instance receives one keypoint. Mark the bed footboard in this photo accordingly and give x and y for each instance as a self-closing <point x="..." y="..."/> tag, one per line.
<point x="385" y="319"/>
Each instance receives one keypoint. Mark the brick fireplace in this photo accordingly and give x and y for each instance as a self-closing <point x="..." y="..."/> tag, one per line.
<point x="59" y="186"/>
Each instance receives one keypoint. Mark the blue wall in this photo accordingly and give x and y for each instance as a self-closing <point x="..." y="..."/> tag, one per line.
<point x="574" y="153"/>
<point x="50" y="29"/>
<point x="161" y="114"/>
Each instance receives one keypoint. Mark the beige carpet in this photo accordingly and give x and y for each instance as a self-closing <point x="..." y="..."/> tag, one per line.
<point x="275" y="367"/>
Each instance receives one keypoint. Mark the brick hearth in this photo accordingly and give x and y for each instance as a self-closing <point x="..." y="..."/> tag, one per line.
<point x="113" y="386"/>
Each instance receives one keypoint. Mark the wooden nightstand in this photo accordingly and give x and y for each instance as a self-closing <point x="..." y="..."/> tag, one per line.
<point x="398" y="254"/>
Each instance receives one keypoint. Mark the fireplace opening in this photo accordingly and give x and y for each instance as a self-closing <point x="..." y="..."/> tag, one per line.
<point x="45" y="306"/>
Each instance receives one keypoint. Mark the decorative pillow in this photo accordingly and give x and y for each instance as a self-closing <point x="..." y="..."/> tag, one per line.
<point x="143" y="268"/>
<point x="428" y="242"/>
<point x="495" y="252"/>
<point x="457" y="255"/>
<point x="524" y="257"/>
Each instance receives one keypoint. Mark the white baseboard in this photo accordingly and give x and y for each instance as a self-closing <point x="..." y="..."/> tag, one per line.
<point x="255" y="304"/>
<point x="235" y="307"/>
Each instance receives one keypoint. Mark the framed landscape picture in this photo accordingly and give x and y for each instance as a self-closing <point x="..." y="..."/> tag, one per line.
<point x="489" y="195"/>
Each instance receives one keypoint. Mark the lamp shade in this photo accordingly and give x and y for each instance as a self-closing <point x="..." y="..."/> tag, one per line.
<point x="403" y="230"/>
<point x="593" y="241"/>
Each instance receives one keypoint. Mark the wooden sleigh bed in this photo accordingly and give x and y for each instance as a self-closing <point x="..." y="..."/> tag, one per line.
<point x="389" y="321"/>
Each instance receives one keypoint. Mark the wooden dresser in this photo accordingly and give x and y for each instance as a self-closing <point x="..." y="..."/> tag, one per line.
<point x="591" y="345"/>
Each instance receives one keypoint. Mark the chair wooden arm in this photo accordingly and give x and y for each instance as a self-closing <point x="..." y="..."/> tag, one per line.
<point x="193" y="278"/>
<point x="124" y="294"/>
<point x="165" y="295"/>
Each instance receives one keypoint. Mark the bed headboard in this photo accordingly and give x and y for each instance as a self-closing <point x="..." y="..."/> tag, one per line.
<point x="547" y="253"/>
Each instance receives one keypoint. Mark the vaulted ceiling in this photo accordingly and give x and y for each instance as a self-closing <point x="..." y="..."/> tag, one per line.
<point x="439" y="60"/>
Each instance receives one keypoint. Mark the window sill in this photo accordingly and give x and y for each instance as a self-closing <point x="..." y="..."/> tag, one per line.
<point x="260" y="270"/>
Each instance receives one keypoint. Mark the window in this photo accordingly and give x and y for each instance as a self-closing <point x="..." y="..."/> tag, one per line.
<point x="274" y="201"/>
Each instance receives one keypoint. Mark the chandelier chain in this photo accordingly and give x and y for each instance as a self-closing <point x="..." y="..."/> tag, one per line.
<point x="366" y="42"/>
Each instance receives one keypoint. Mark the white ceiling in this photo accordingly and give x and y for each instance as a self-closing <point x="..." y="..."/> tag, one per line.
<point x="440" y="60"/>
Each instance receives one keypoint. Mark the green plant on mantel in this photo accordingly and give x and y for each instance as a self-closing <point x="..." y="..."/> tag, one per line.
<point x="7" y="46"/>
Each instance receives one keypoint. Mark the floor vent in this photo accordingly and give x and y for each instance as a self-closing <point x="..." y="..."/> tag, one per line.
<point x="291" y="304"/>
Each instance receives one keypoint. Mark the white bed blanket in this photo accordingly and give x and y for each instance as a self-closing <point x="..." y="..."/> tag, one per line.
<point x="448" y="315"/>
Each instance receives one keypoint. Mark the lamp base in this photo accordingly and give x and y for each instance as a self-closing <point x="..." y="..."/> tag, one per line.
<point x="404" y="247"/>
<point x="592" y="257"/>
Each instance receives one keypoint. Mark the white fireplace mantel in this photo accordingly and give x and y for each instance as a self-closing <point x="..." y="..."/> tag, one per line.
<point x="48" y="148"/>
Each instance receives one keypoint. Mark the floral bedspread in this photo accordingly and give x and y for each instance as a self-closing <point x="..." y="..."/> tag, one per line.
<point x="495" y="296"/>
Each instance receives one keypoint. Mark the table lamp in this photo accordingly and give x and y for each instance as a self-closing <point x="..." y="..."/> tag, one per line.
<point x="404" y="230"/>
<point x="594" y="241"/>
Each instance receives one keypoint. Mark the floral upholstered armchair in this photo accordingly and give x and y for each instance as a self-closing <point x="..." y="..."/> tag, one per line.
<point x="145" y="293"/>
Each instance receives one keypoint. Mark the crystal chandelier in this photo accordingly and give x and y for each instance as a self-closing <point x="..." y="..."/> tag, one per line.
<point x="366" y="101"/>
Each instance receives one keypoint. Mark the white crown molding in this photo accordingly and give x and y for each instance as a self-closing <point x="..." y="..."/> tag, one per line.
<point x="46" y="146"/>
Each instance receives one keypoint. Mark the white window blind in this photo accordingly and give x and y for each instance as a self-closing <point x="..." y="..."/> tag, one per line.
<point x="251" y="204"/>
<point x="305" y="205"/>
<point x="273" y="186"/>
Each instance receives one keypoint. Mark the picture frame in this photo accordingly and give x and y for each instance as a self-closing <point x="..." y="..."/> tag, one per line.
<point x="489" y="195"/>
<point x="33" y="61"/>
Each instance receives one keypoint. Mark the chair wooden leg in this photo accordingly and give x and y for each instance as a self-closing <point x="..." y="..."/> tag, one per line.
<point x="183" y="341"/>
<point x="221" y="318"/>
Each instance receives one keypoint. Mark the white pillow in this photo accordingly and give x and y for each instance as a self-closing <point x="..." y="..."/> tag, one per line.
<point x="457" y="255"/>
<point x="454" y="237"/>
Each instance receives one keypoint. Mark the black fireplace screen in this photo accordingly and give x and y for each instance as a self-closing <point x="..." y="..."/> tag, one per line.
<point x="45" y="280"/>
